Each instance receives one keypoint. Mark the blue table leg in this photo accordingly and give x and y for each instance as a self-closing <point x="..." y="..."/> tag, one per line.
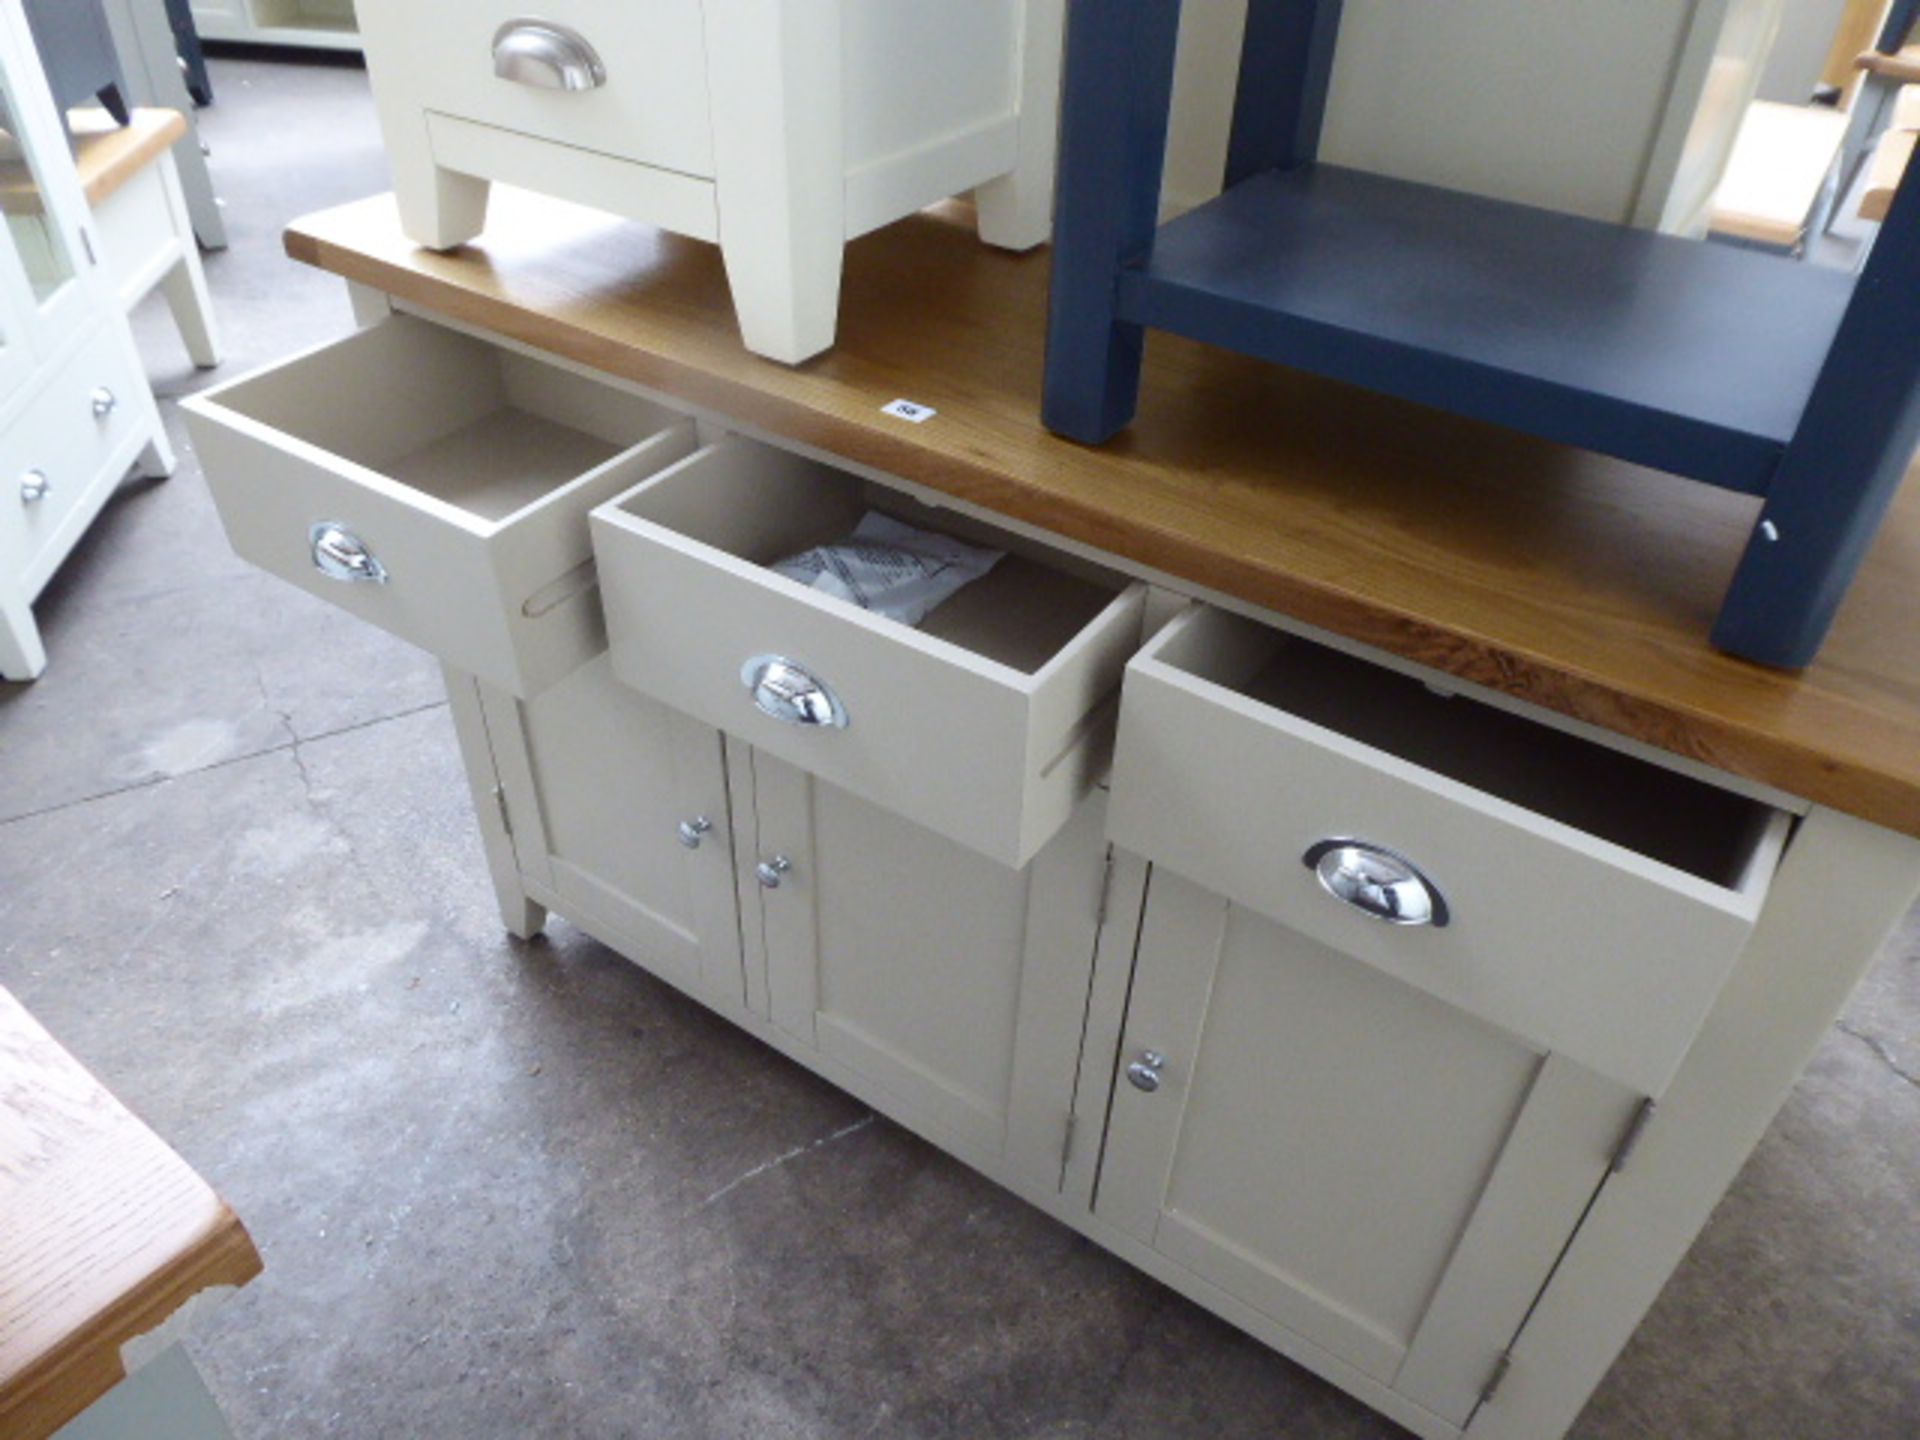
<point x="1113" y="139"/>
<point x="1286" y="64"/>
<point x="1844" y="464"/>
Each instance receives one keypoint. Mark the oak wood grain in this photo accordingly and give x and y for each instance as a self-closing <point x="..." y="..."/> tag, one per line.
<point x="108" y="155"/>
<point x="104" y="1232"/>
<point x="1571" y="580"/>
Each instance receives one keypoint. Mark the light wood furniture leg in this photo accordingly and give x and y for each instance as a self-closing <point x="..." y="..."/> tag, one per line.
<point x="22" y="656"/>
<point x="778" y="159"/>
<point x="165" y="1399"/>
<point x="1015" y="212"/>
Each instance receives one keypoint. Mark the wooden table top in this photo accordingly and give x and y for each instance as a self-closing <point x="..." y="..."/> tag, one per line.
<point x="108" y="154"/>
<point x="1568" y="579"/>
<point x="104" y="1232"/>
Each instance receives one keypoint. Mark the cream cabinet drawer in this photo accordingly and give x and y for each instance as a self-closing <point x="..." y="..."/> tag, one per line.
<point x="1586" y="900"/>
<point x="643" y="64"/>
<point x="59" y="447"/>
<point x="987" y="722"/>
<point x="435" y="486"/>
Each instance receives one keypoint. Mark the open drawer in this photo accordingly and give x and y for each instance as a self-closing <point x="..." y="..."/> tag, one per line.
<point x="436" y="486"/>
<point x="1589" y="901"/>
<point x="986" y="722"/>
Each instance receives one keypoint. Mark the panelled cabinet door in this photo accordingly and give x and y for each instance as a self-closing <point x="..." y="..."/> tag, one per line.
<point x="955" y="985"/>
<point x="1382" y="1174"/>
<point x="598" y="782"/>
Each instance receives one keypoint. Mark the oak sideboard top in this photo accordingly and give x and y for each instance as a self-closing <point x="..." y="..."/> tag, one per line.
<point x="104" y="1232"/>
<point x="1567" y="579"/>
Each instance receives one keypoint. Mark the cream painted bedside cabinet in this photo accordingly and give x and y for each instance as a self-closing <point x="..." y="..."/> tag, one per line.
<point x="779" y="128"/>
<point x="76" y="413"/>
<point x="1340" y="663"/>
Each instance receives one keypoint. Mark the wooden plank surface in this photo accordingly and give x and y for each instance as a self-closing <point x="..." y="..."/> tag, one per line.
<point x="108" y="155"/>
<point x="1580" y="583"/>
<point x="104" y="1232"/>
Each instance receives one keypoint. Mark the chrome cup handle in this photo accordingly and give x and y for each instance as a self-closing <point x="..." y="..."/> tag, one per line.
<point x="340" y="554"/>
<point x="788" y="691"/>
<point x="546" y="56"/>
<point x="1378" y="882"/>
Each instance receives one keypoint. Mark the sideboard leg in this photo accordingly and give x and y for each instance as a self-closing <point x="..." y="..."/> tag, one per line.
<point x="1113" y="140"/>
<point x="1015" y="211"/>
<point x="779" y="159"/>
<point x="22" y="656"/>
<point x="523" y="917"/>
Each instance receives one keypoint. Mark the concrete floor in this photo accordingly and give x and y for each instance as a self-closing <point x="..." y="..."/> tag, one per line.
<point x="512" y="1191"/>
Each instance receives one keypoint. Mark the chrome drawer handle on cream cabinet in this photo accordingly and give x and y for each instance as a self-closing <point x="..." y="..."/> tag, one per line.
<point x="546" y="56"/>
<point x="769" y="872"/>
<point x="788" y="691"/>
<point x="1377" y="882"/>
<point x="694" y="830"/>
<point x="103" y="401"/>
<point x="34" y="486"/>
<point x="340" y="554"/>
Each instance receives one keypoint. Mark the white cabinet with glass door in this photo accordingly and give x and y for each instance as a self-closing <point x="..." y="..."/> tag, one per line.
<point x="75" y="410"/>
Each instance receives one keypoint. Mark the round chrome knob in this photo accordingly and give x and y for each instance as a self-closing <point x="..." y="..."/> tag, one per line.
<point x="692" y="830"/>
<point x="1377" y="882"/>
<point x="768" y="872"/>
<point x="1144" y="1073"/>
<point x="34" y="486"/>
<point x="104" y="402"/>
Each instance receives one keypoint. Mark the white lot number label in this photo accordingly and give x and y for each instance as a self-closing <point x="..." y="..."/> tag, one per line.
<point x="909" y="410"/>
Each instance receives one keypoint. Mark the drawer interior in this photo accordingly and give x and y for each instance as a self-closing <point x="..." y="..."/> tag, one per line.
<point x="474" y="426"/>
<point x="761" y="505"/>
<point x="1694" y="827"/>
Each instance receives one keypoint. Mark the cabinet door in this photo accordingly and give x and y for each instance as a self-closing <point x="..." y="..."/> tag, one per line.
<point x="41" y="198"/>
<point x="956" y="985"/>
<point x="597" y="781"/>
<point x="1384" y="1175"/>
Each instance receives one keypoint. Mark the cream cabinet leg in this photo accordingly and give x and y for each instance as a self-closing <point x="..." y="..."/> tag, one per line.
<point x="524" y="918"/>
<point x="22" y="656"/>
<point x="438" y="208"/>
<point x="1015" y="212"/>
<point x="780" y="168"/>
<point x="157" y="460"/>
<point x="185" y="286"/>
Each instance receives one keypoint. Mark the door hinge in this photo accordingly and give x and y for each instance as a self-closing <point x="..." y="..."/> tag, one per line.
<point x="506" y="816"/>
<point x="1497" y="1377"/>
<point x="1630" y="1137"/>
<point x="1066" y="1141"/>
<point x="1106" y="890"/>
<point x="86" y="241"/>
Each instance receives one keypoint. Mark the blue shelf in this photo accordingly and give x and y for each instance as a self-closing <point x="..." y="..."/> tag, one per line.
<point x="1686" y="356"/>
